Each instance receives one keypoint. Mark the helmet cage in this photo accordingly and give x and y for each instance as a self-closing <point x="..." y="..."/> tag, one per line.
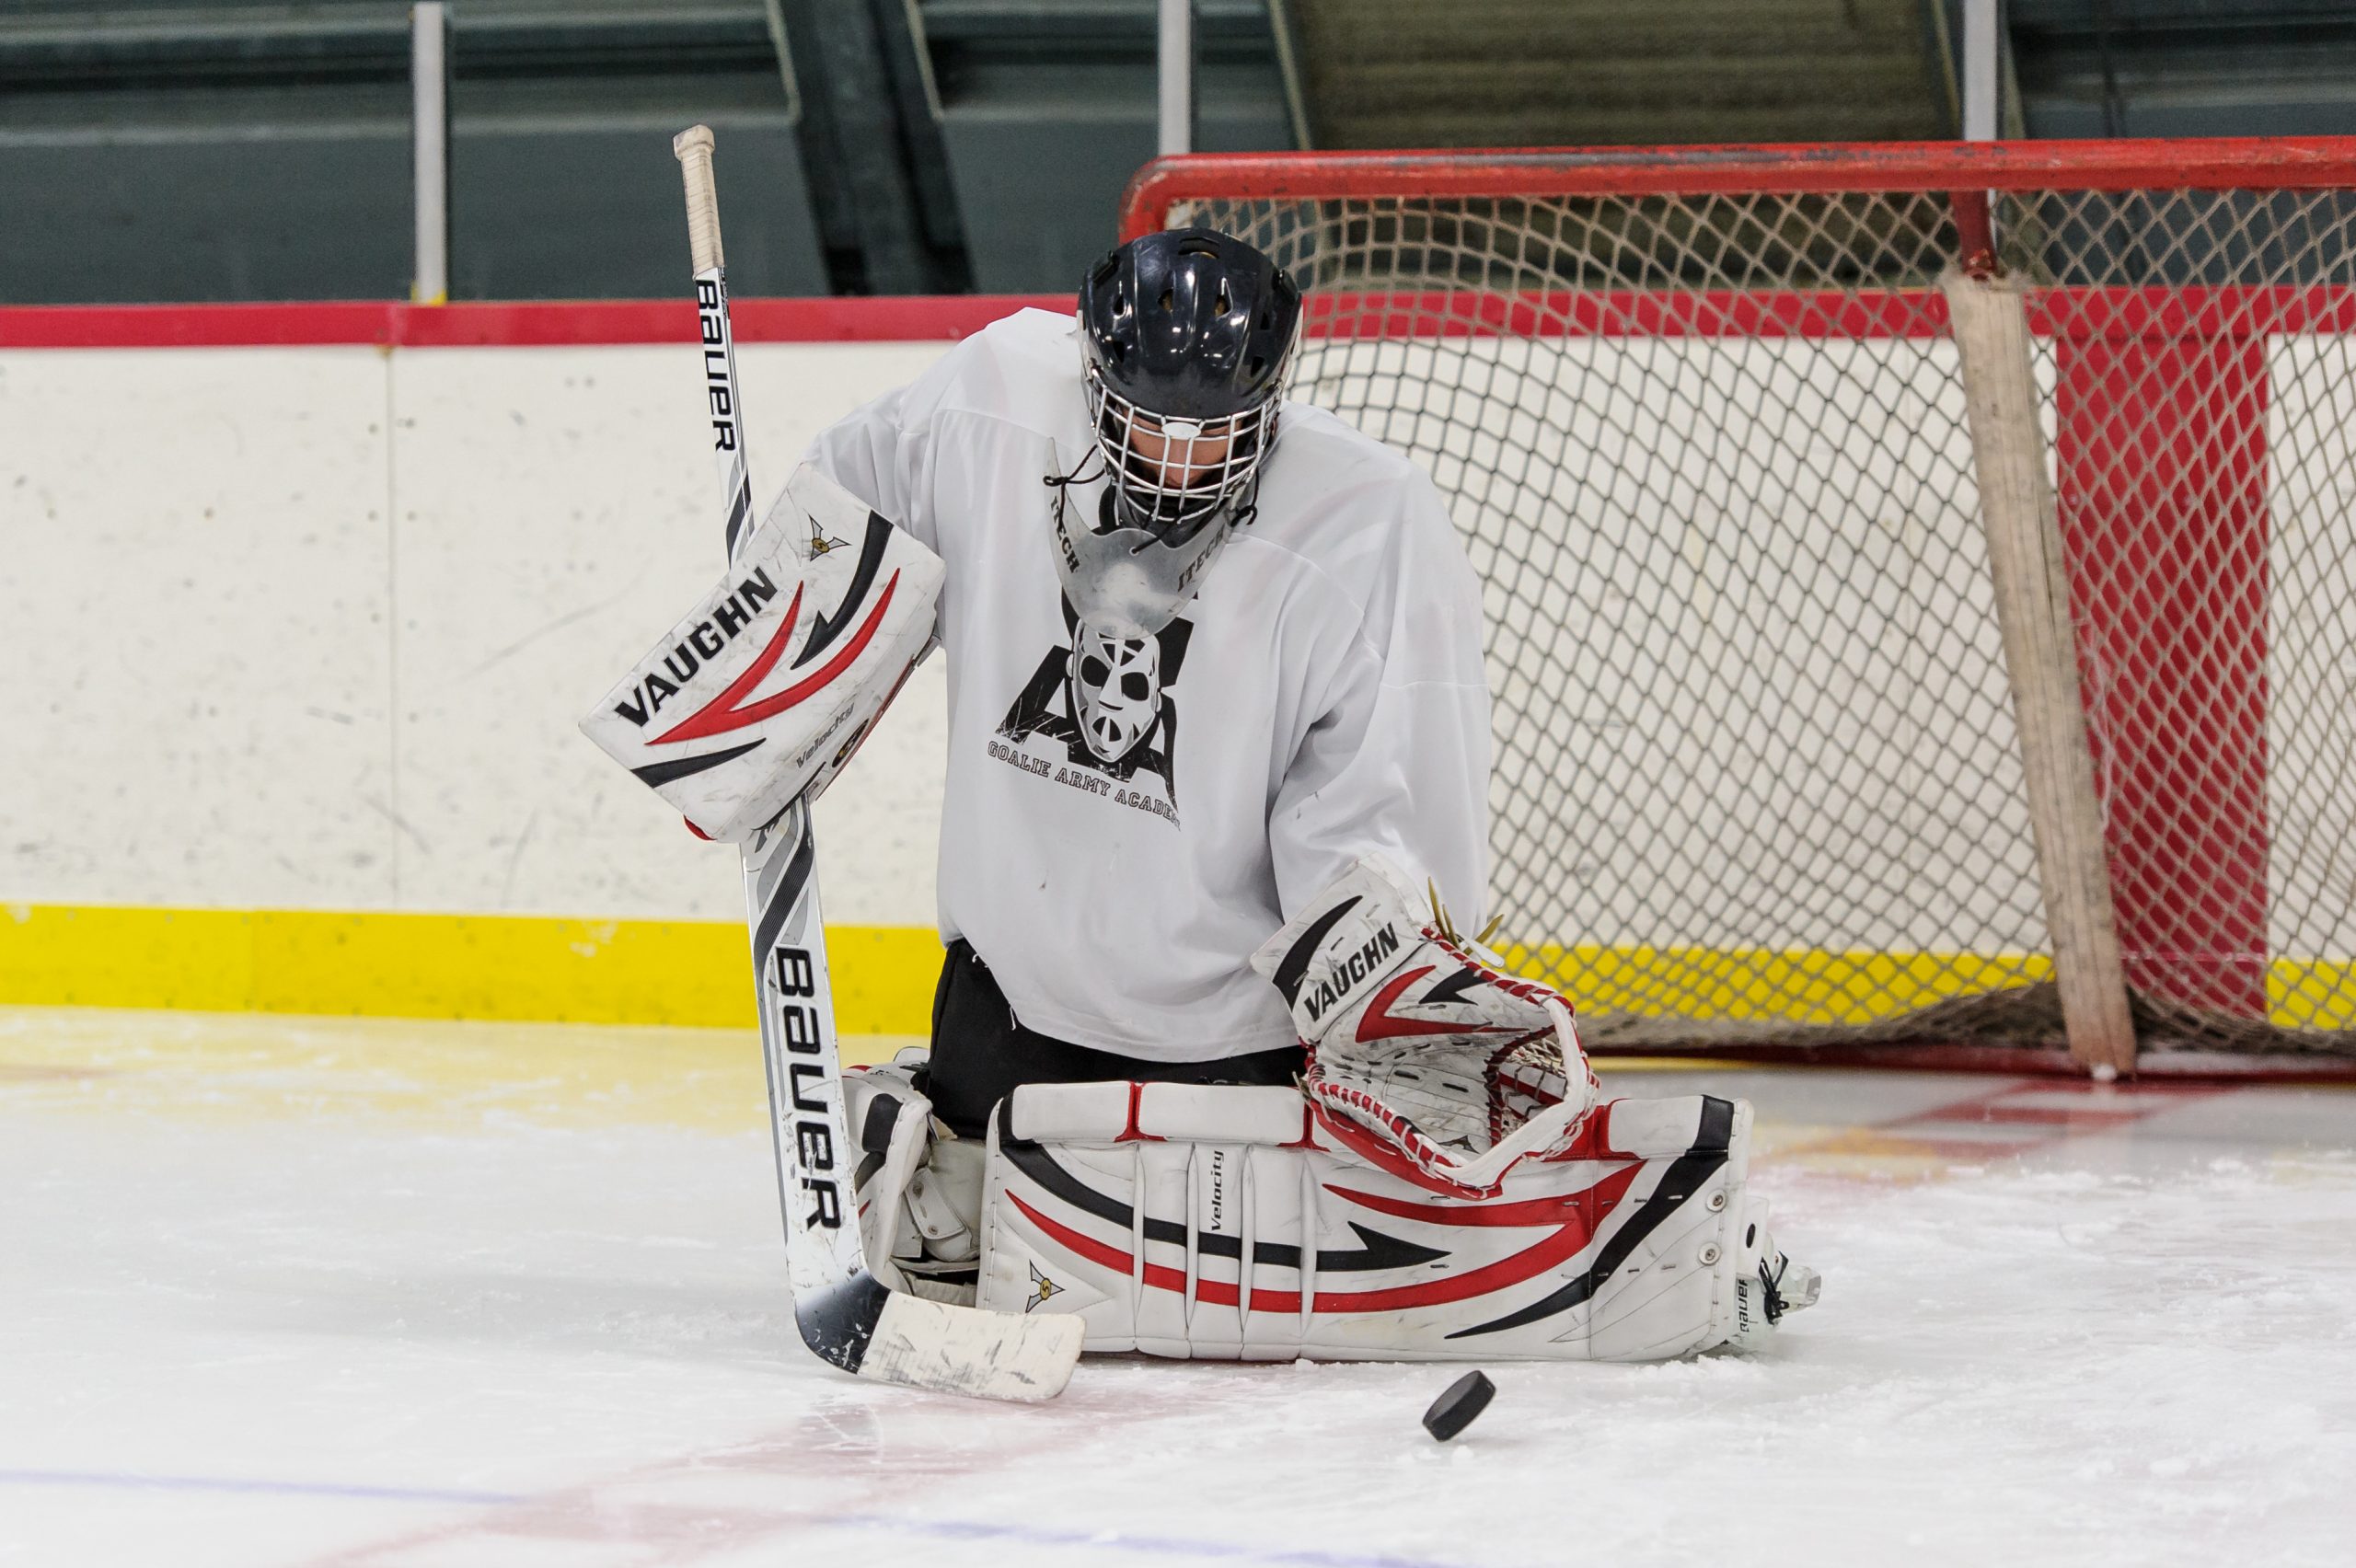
<point x="1203" y="466"/>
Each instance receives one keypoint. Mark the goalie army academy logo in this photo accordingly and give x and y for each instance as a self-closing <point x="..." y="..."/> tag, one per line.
<point x="1109" y="703"/>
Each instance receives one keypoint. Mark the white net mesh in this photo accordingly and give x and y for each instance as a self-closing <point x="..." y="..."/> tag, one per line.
<point x="1758" y="781"/>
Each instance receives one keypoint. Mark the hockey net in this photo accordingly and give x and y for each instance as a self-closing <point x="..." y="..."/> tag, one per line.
<point x="1708" y="432"/>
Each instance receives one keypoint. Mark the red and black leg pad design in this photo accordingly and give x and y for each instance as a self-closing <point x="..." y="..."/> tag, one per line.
<point x="1224" y="1223"/>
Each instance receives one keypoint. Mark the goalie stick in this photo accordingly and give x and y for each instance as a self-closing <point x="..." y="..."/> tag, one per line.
<point x="846" y="1315"/>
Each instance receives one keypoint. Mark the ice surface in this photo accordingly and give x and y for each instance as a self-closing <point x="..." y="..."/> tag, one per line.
<point x="392" y="1294"/>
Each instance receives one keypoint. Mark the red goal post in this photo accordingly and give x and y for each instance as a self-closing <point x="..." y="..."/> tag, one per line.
<point x="1922" y="578"/>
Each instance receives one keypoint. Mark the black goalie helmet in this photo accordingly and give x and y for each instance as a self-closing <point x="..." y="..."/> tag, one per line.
<point x="1187" y="336"/>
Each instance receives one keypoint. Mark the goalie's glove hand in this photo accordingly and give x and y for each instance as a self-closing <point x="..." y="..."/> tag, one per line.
<point x="1425" y="1055"/>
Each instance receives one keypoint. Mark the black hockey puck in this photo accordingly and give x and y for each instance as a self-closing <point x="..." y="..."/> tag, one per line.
<point x="1453" y="1410"/>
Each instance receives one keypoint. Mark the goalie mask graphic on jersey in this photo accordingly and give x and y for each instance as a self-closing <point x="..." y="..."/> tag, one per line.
<point x="1112" y="704"/>
<point x="1116" y="686"/>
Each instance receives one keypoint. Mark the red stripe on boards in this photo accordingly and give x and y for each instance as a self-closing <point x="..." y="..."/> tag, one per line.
<point x="2125" y="313"/>
<point x="505" y="324"/>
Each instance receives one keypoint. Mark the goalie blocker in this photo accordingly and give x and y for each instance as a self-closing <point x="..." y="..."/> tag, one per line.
<point x="763" y="691"/>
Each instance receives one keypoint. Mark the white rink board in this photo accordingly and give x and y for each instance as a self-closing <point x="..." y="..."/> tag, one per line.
<point x="194" y="611"/>
<point x="557" y="510"/>
<point x="309" y="627"/>
<point x="279" y="575"/>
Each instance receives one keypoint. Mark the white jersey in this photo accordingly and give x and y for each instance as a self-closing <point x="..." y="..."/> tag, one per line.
<point x="1321" y="698"/>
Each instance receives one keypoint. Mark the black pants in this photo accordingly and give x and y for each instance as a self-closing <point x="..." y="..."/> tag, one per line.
<point x="981" y="1053"/>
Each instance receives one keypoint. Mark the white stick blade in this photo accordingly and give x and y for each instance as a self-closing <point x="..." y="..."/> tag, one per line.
<point x="961" y="1350"/>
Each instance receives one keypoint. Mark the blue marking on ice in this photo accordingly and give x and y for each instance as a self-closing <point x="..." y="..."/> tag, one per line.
<point x="945" y="1530"/>
<point x="1111" y="1541"/>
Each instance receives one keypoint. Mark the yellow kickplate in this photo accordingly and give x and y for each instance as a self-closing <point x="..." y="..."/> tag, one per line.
<point x="691" y="972"/>
<point x="697" y="973"/>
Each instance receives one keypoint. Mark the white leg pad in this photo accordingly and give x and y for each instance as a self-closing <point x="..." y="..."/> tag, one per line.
<point x="1220" y="1222"/>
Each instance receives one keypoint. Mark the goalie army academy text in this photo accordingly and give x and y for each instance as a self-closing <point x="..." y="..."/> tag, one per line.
<point x="1085" y="780"/>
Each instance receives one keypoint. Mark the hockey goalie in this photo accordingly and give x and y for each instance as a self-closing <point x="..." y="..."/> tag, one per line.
<point x="1212" y="1066"/>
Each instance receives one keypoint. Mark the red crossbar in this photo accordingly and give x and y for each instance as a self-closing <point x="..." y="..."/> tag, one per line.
<point x="2270" y="163"/>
